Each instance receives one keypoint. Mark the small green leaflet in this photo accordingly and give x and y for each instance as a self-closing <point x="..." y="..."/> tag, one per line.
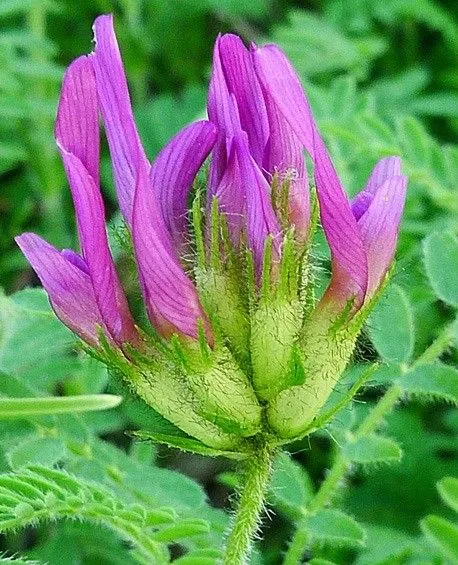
<point x="448" y="490"/>
<point x="440" y="255"/>
<point x="435" y="380"/>
<point x="443" y="534"/>
<point x="372" y="449"/>
<point x="391" y="326"/>
<point x="290" y="488"/>
<point x="335" y="527"/>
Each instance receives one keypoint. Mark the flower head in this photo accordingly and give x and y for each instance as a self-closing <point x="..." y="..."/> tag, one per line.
<point x="237" y="333"/>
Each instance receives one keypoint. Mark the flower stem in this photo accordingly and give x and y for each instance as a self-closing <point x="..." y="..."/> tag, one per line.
<point x="250" y="506"/>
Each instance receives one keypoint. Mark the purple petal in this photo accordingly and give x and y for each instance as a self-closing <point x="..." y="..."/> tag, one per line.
<point x="125" y="147"/>
<point x="76" y="260"/>
<point x="231" y="194"/>
<point x="243" y="83"/>
<point x="349" y="260"/>
<point x="90" y="215"/>
<point x="77" y="123"/>
<point x="223" y="112"/>
<point x="385" y="168"/>
<point x="260" y="217"/>
<point x="284" y="156"/>
<point x="222" y="105"/>
<point x="280" y="81"/>
<point x="379" y="228"/>
<point x="173" y="173"/>
<point x="218" y="164"/>
<point x="77" y="135"/>
<point x="69" y="287"/>
<point x="170" y="296"/>
<point x="360" y="203"/>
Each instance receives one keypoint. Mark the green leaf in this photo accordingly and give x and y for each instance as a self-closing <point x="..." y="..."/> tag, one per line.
<point x="448" y="489"/>
<point x="415" y="139"/>
<point x="291" y="487"/>
<point x="443" y="534"/>
<point x="12" y="408"/>
<point x="431" y="381"/>
<point x="316" y="46"/>
<point x="13" y="7"/>
<point x="36" y="451"/>
<point x="182" y="529"/>
<point x="373" y="449"/>
<point x="187" y="444"/>
<point x="335" y="527"/>
<point x="438" y="104"/>
<point x="391" y="327"/>
<point x="33" y="341"/>
<point x="41" y="494"/>
<point x="440" y="254"/>
<point x="385" y="546"/>
<point x="207" y="556"/>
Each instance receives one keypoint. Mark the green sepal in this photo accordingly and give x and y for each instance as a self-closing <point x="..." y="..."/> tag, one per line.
<point x="326" y="344"/>
<point x="290" y="269"/>
<point x="326" y="415"/>
<point x="220" y="279"/>
<point x="220" y="295"/>
<point x="159" y="383"/>
<point x="275" y="328"/>
<point x="186" y="443"/>
<point x="226" y="397"/>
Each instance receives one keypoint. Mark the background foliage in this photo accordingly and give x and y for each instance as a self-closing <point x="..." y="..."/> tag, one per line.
<point x="382" y="79"/>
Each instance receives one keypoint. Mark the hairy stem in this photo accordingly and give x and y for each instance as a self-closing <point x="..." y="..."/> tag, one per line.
<point x="297" y="545"/>
<point x="380" y="410"/>
<point x="337" y="473"/>
<point x="250" y="506"/>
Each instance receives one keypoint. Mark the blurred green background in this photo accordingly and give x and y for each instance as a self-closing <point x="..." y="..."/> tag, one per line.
<point x="382" y="79"/>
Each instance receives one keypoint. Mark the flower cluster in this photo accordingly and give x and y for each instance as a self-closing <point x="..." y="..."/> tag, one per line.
<point x="239" y="346"/>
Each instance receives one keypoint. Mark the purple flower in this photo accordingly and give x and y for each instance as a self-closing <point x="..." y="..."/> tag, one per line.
<point x="84" y="290"/>
<point x="362" y="236"/>
<point x="259" y="125"/>
<point x="244" y="111"/>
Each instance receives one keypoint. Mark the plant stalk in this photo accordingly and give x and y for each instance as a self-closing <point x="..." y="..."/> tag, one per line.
<point x="250" y="506"/>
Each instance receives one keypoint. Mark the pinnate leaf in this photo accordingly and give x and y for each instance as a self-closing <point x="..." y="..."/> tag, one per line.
<point x="40" y="494"/>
